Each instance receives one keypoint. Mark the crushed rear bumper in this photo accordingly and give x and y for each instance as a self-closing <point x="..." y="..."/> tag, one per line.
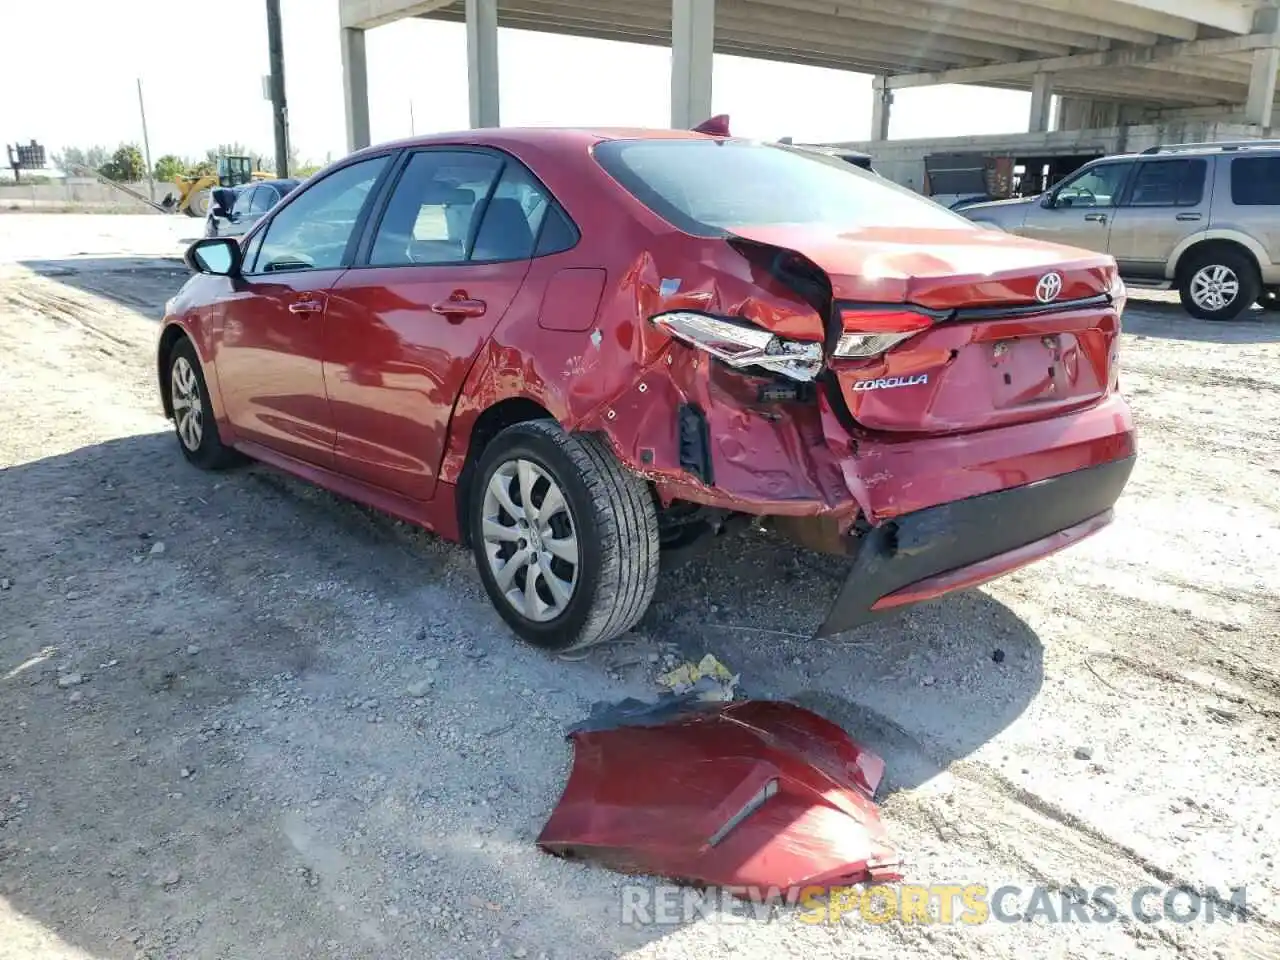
<point x="924" y="554"/>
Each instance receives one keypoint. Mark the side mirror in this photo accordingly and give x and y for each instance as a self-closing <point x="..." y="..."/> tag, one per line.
<point x="224" y="199"/>
<point x="219" y="256"/>
<point x="1047" y="201"/>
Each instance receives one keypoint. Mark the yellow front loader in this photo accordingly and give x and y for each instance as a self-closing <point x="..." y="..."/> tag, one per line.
<point x="194" y="193"/>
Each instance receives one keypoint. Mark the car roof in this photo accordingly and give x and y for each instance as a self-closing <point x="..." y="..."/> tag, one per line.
<point x="545" y="137"/>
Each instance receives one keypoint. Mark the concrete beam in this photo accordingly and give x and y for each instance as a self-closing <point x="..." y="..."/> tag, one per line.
<point x="367" y="14"/>
<point x="1124" y="15"/>
<point x="693" y="24"/>
<point x="1135" y="57"/>
<point x="482" y="62"/>
<point x="1041" y="103"/>
<point x="355" y="88"/>
<point x="1262" y="86"/>
<point x="957" y="22"/>
<point x="1230" y="15"/>
<point x="1059" y="23"/>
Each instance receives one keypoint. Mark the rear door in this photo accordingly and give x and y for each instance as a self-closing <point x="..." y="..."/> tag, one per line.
<point x="269" y="359"/>
<point x="434" y="277"/>
<point x="1078" y="213"/>
<point x="1167" y="200"/>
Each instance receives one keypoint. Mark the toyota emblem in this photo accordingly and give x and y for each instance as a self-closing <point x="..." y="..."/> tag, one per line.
<point x="1049" y="287"/>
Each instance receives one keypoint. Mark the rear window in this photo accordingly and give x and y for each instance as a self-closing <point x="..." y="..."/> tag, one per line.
<point x="708" y="187"/>
<point x="1255" y="181"/>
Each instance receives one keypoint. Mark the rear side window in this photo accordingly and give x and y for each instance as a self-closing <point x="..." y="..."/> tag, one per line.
<point x="459" y="207"/>
<point x="708" y="187"/>
<point x="1169" y="183"/>
<point x="431" y="214"/>
<point x="1255" y="181"/>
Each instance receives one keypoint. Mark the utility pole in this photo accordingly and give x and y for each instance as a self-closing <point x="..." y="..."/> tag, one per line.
<point x="279" y="109"/>
<point x="146" y="143"/>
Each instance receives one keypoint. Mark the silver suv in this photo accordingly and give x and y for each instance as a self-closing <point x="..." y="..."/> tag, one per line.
<point x="1204" y="217"/>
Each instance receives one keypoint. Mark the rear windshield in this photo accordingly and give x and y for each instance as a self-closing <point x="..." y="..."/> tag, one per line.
<point x="708" y="187"/>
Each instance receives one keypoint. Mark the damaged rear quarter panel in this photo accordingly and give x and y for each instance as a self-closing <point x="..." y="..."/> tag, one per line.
<point x="628" y="380"/>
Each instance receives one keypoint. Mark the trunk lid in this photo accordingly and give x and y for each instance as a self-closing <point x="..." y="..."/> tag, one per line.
<point x="1007" y="329"/>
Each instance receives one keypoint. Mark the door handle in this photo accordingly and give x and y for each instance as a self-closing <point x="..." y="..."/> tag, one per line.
<point x="459" y="307"/>
<point x="1096" y="217"/>
<point x="306" y="306"/>
<point x="1188" y="216"/>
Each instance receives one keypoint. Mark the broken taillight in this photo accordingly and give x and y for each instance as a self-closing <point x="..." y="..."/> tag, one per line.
<point x="743" y="345"/>
<point x="870" y="332"/>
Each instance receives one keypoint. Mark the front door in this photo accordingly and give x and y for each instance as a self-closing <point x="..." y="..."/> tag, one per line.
<point x="1168" y="201"/>
<point x="1078" y="213"/>
<point x="407" y="322"/>
<point x="269" y="357"/>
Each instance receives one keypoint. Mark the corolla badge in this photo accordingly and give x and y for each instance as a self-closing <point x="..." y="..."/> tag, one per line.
<point x="1049" y="287"/>
<point x="890" y="383"/>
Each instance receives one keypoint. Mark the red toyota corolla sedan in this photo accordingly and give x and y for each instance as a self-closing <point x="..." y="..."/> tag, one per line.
<point x="573" y="349"/>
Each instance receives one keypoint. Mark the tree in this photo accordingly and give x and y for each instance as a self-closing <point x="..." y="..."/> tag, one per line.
<point x="126" y="165"/>
<point x="169" y="166"/>
<point x="93" y="157"/>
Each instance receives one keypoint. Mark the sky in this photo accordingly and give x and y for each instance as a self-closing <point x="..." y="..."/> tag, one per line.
<point x="202" y="66"/>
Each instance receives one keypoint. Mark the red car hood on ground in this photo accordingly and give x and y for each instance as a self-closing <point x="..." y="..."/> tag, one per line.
<point x="939" y="269"/>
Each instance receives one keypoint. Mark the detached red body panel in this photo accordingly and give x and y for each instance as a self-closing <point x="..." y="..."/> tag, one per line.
<point x="759" y="794"/>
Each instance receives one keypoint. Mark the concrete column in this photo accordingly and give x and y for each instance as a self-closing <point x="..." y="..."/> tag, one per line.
<point x="1262" y="86"/>
<point x="355" y="88"/>
<point x="693" y="24"/>
<point x="482" y="62"/>
<point x="881" y="108"/>
<point x="1041" y="103"/>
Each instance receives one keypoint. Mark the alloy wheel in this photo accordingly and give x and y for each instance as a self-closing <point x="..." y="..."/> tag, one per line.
<point x="1215" y="287"/>
<point x="530" y="540"/>
<point x="188" y="410"/>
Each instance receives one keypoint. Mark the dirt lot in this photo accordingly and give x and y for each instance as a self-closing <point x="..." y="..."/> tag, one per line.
<point x="241" y="718"/>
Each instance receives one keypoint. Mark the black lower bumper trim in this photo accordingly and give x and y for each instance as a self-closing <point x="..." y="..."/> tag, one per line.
<point x="938" y="540"/>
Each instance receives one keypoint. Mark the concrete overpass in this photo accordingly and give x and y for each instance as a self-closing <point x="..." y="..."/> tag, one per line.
<point x="1110" y="62"/>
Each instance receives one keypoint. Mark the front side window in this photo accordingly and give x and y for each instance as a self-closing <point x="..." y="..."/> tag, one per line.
<point x="264" y="198"/>
<point x="1255" y="181"/>
<point x="1098" y="186"/>
<point x="312" y="232"/>
<point x="244" y="202"/>
<point x="708" y="187"/>
<point x="1169" y="183"/>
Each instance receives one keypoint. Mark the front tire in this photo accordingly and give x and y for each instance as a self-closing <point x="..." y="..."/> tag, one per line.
<point x="193" y="419"/>
<point x="1219" y="284"/>
<point x="565" y="539"/>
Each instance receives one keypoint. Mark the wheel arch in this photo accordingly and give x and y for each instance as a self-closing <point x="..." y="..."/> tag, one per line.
<point x="1186" y="252"/>
<point x="170" y="337"/>
<point x="490" y="421"/>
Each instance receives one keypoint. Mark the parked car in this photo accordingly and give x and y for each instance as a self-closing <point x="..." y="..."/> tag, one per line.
<point x="236" y="209"/>
<point x="573" y="349"/>
<point x="1198" y="217"/>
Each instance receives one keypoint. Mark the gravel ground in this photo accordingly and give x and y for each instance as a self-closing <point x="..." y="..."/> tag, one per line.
<point x="240" y="717"/>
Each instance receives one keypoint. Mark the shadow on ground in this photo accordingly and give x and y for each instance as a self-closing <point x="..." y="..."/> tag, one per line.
<point x="265" y="650"/>
<point x="1168" y="321"/>
<point x="140" y="283"/>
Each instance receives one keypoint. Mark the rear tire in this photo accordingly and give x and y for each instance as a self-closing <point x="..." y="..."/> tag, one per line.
<point x="193" y="420"/>
<point x="587" y="536"/>
<point x="1219" y="284"/>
